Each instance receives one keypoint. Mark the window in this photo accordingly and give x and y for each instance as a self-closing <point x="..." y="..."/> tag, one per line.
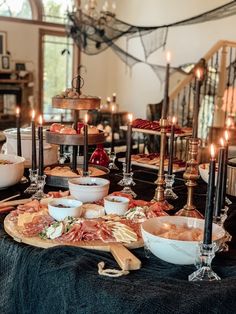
<point x="13" y="8"/>
<point x="55" y="11"/>
<point x="57" y="60"/>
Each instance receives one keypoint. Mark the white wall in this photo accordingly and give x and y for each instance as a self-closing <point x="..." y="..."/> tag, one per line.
<point x="107" y="74"/>
<point x="136" y="88"/>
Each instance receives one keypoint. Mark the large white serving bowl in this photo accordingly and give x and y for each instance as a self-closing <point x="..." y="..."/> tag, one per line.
<point x="11" y="174"/>
<point x="61" y="208"/>
<point x="175" y="251"/>
<point x="89" y="189"/>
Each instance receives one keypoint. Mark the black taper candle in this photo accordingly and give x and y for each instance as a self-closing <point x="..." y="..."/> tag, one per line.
<point x="224" y="179"/>
<point x="218" y="194"/>
<point x="18" y="134"/>
<point x="129" y="145"/>
<point x="171" y="147"/>
<point x="112" y="129"/>
<point x="85" y="164"/>
<point x="33" y="156"/>
<point x="40" y="137"/>
<point x="75" y="148"/>
<point x="165" y="106"/>
<point x="196" y="104"/>
<point x="210" y="200"/>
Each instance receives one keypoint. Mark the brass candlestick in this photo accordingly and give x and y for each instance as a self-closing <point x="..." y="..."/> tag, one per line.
<point x="191" y="174"/>
<point x="159" y="192"/>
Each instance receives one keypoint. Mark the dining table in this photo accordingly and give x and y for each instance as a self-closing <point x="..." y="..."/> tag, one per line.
<point x="65" y="279"/>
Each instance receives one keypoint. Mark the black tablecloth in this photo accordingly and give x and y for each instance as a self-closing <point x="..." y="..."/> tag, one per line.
<point x="65" y="279"/>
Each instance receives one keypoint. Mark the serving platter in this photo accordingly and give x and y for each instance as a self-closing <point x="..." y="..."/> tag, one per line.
<point x="153" y="132"/>
<point x="73" y="139"/>
<point x="81" y="103"/>
<point x="125" y="259"/>
<point x="144" y="165"/>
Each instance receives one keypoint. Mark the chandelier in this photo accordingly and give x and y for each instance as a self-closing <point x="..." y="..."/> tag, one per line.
<point x="90" y="28"/>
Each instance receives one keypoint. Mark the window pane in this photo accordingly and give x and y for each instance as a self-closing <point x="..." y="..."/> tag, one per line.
<point x="57" y="74"/>
<point x="56" y="10"/>
<point x="13" y="8"/>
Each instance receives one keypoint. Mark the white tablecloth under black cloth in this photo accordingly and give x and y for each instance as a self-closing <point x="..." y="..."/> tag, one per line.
<point x="65" y="279"/>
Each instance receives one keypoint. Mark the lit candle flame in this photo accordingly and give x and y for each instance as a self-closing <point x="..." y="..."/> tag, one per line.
<point x="198" y="74"/>
<point x="33" y="115"/>
<point x="130" y="117"/>
<point x="226" y="136"/>
<point x="108" y="99"/>
<point x="17" y="111"/>
<point x="40" y="120"/>
<point x="212" y="150"/>
<point x="114" y="94"/>
<point x="222" y="142"/>
<point x="168" y="57"/>
<point x="174" y="120"/>
<point x="86" y="117"/>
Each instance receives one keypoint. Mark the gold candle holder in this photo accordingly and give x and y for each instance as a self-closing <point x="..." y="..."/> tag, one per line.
<point x="159" y="192"/>
<point x="191" y="174"/>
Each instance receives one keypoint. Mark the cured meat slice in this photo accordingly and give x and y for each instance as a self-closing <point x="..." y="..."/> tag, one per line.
<point x="37" y="225"/>
<point x="30" y="207"/>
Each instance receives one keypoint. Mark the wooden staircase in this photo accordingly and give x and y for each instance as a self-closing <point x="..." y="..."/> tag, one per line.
<point x="217" y="101"/>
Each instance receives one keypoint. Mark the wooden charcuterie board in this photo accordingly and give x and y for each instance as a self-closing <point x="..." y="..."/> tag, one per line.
<point x="125" y="259"/>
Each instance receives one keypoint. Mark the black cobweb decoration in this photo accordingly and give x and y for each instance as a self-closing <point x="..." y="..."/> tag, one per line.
<point x="95" y="35"/>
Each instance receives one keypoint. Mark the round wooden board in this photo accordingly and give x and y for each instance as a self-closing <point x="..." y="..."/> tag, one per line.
<point x="73" y="139"/>
<point x="11" y="228"/>
<point x="82" y="103"/>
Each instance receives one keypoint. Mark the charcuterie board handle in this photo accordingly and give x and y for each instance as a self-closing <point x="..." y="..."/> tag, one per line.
<point x="125" y="259"/>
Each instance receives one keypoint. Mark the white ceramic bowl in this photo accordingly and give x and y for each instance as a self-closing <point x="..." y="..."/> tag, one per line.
<point x="11" y="174"/>
<point x="50" y="151"/>
<point x="175" y="251"/>
<point x="72" y="208"/>
<point x="116" y="205"/>
<point x="88" y="189"/>
<point x="204" y="172"/>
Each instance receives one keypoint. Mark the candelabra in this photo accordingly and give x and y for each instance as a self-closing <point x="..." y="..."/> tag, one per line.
<point x="159" y="192"/>
<point x="191" y="175"/>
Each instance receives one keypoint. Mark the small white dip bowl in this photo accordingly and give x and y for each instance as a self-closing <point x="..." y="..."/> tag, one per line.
<point x="61" y="208"/>
<point x="89" y="189"/>
<point x="116" y="205"/>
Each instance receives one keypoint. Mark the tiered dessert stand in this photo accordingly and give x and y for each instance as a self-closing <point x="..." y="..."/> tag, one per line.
<point x="75" y="140"/>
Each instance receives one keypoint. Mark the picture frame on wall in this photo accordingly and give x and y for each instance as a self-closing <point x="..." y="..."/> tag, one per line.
<point x="5" y="62"/>
<point x="3" y="43"/>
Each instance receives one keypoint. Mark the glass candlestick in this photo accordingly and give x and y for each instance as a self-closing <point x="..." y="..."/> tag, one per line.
<point x="205" y="256"/>
<point x="127" y="182"/>
<point x="169" y="193"/>
<point x="33" y="175"/>
<point x="41" y="183"/>
<point x="112" y="157"/>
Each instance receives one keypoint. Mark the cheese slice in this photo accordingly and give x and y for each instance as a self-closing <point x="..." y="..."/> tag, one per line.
<point x="25" y="218"/>
<point x="28" y="217"/>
